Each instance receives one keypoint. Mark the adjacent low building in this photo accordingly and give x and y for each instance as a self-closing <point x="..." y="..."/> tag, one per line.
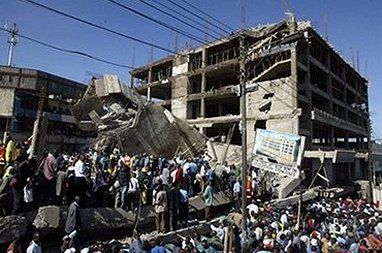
<point x="21" y="91"/>
<point x="297" y="83"/>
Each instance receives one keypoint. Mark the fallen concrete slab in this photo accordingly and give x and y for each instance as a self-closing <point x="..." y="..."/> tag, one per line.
<point x="293" y="200"/>
<point x="125" y="119"/>
<point x="51" y="219"/>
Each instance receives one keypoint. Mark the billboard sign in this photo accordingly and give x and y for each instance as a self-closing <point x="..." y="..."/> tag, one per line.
<point x="280" y="153"/>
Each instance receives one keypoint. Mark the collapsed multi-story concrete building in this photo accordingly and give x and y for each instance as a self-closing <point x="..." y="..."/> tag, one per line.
<point x="300" y="84"/>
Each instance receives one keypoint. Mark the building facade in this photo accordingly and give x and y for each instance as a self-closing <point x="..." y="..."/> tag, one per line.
<point x="21" y="91"/>
<point x="296" y="82"/>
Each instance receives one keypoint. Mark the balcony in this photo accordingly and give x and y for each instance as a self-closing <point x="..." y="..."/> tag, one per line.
<point x="328" y="118"/>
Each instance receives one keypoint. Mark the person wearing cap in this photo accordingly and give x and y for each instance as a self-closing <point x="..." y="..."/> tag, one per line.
<point x="313" y="246"/>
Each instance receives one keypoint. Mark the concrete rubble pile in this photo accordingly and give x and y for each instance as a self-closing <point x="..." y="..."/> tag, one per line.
<point x="125" y="120"/>
<point x="11" y="227"/>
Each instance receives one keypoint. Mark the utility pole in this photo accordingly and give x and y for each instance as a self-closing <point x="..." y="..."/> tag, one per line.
<point x="36" y="126"/>
<point x="244" y="133"/>
<point x="12" y="41"/>
<point x="364" y="109"/>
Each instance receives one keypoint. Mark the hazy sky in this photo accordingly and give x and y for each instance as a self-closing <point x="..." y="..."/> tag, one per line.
<point x="351" y="25"/>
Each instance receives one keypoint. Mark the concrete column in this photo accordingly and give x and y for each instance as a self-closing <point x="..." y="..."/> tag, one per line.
<point x="294" y="90"/>
<point x="332" y="136"/>
<point x="293" y="71"/>
<point x="308" y="90"/>
<point x="149" y="80"/>
<point x="149" y="94"/>
<point x="346" y="140"/>
<point x="343" y="77"/>
<point x="203" y="84"/>
<point x="329" y="171"/>
<point x="220" y="109"/>
<point x="131" y="81"/>
<point x="330" y="86"/>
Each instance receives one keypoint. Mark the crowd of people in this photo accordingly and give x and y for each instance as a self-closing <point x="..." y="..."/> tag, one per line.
<point x="129" y="181"/>
<point x="104" y="179"/>
<point x="107" y="179"/>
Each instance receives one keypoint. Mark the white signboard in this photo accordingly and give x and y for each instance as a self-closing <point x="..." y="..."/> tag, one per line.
<point x="276" y="168"/>
<point x="277" y="152"/>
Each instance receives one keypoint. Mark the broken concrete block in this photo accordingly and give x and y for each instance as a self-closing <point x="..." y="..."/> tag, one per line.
<point x="50" y="218"/>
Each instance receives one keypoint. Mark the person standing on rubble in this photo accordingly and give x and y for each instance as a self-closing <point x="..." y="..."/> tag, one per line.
<point x="208" y="201"/>
<point x="49" y="168"/>
<point x="80" y="176"/>
<point x="73" y="222"/>
<point x="23" y="171"/>
<point x="173" y="206"/>
<point x="160" y="207"/>
<point x="133" y="193"/>
<point x="10" y="151"/>
<point x="183" y="208"/>
<point x="237" y="195"/>
<point x="124" y="174"/>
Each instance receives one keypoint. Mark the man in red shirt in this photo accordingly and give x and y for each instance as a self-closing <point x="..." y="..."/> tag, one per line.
<point x="2" y="158"/>
<point x="49" y="168"/>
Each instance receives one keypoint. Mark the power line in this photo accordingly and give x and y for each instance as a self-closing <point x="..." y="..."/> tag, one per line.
<point x="176" y="18"/>
<point x="70" y="51"/>
<point x="173" y="28"/>
<point x="188" y="18"/>
<point x="97" y="26"/>
<point x="209" y="16"/>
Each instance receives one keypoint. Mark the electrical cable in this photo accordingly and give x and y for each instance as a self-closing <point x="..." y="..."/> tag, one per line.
<point x="190" y="19"/>
<point x="208" y="15"/>
<point x="178" y="19"/>
<point x="205" y="20"/>
<point x="97" y="26"/>
<point x="69" y="51"/>
<point x="172" y="28"/>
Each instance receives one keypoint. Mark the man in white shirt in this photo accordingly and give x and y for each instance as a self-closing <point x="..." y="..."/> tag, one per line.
<point x="79" y="167"/>
<point x="133" y="193"/>
<point x="236" y="194"/>
<point x="35" y="246"/>
<point x="253" y="207"/>
<point x="165" y="177"/>
<point x="284" y="218"/>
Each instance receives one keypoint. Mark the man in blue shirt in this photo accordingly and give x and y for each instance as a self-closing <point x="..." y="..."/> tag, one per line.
<point x="158" y="247"/>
